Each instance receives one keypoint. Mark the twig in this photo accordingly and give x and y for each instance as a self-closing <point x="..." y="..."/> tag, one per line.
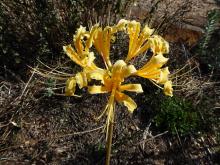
<point x="28" y="83"/>
<point x="146" y="140"/>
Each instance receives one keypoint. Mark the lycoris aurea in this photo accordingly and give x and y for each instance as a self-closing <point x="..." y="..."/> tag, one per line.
<point x="112" y="77"/>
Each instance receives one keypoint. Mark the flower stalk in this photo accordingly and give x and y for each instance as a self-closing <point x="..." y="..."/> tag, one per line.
<point x="109" y="142"/>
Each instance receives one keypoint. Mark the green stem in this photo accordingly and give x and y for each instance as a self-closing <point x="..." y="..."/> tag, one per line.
<point x="111" y="113"/>
<point x="109" y="143"/>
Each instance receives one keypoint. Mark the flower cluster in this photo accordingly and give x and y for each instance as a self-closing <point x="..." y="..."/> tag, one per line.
<point x="112" y="77"/>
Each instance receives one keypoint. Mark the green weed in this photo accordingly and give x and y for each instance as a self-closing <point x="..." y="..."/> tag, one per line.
<point x="176" y="116"/>
<point x="209" y="46"/>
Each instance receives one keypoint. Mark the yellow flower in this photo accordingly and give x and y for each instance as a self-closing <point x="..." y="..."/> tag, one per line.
<point x="113" y="76"/>
<point x="138" y="41"/>
<point x="112" y="83"/>
<point x="80" y="53"/>
<point x="102" y="41"/>
<point x="151" y="69"/>
<point x="168" y="90"/>
<point x="158" y="45"/>
<point x="81" y="56"/>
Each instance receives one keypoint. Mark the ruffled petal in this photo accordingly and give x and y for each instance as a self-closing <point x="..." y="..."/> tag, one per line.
<point x="127" y="71"/>
<point x="80" y="34"/>
<point x="120" y="26"/>
<point x="92" y="34"/>
<point x="126" y="100"/>
<point x="73" y="55"/>
<point x="163" y="75"/>
<point x="96" y="89"/>
<point x="160" y="46"/>
<point x="117" y="76"/>
<point x="168" y="90"/>
<point x="152" y="69"/>
<point x="90" y="59"/>
<point x="70" y="86"/>
<point x="147" y="32"/>
<point x="157" y="44"/>
<point x="138" y="42"/>
<point x="81" y="79"/>
<point x="150" y="74"/>
<point x="131" y="88"/>
<point x="133" y="30"/>
<point x="155" y="62"/>
<point x="117" y="67"/>
<point x="102" y="41"/>
<point x="98" y="74"/>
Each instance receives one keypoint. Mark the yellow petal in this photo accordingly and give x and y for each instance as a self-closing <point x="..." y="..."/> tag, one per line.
<point x="90" y="58"/>
<point x="95" y="89"/>
<point x="133" y="30"/>
<point x="168" y="90"/>
<point x="92" y="34"/>
<point x="157" y="44"/>
<point x="147" y="32"/>
<point x="127" y="71"/>
<point x="165" y="47"/>
<point x="117" y="67"/>
<point x="85" y="59"/>
<point x="81" y="79"/>
<point x="138" y="42"/>
<point x="131" y="88"/>
<point x="152" y="70"/>
<point x="155" y="62"/>
<point x="147" y="45"/>
<point x="150" y="74"/>
<point x="102" y="42"/>
<point x="70" y="86"/>
<point x="107" y="36"/>
<point x="127" y="101"/>
<point x="117" y="72"/>
<point x="120" y="71"/>
<point x="161" y="46"/>
<point x="72" y="54"/>
<point x="158" y="60"/>
<point x="98" y="74"/>
<point x="163" y="75"/>
<point x="80" y="34"/>
<point x="120" y="26"/>
<point x="108" y="83"/>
